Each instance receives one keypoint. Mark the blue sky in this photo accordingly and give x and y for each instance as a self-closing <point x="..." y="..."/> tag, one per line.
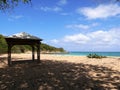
<point x="75" y="25"/>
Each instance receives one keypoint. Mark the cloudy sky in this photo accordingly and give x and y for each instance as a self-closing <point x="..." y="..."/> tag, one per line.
<point x="75" y="25"/>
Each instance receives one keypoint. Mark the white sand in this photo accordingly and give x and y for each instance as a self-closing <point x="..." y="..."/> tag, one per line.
<point x="110" y="62"/>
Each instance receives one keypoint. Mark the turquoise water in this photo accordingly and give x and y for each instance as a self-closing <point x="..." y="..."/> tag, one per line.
<point x="117" y="54"/>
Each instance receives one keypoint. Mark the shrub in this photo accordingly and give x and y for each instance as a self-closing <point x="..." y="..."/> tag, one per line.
<point x="95" y="56"/>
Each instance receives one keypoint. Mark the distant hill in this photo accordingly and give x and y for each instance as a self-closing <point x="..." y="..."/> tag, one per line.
<point x="24" y="48"/>
<point x="50" y="49"/>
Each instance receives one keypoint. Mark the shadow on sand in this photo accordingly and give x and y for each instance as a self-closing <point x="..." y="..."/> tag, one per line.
<point x="56" y="75"/>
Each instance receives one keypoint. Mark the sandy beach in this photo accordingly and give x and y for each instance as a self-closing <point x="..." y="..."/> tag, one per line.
<point x="60" y="72"/>
<point x="110" y="62"/>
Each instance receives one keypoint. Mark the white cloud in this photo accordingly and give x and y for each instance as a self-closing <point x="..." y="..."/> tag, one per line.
<point x="45" y="9"/>
<point x="97" y="40"/>
<point x="78" y="38"/>
<point x="15" y="17"/>
<point x="65" y="14"/>
<point x="55" y="41"/>
<point x="62" y="2"/>
<point x="98" y="37"/>
<point x="95" y="24"/>
<point x="77" y="26"/>
<point x="54" y="9"/>
<point x="81" y="26"/>
<point x="101" y="11"/>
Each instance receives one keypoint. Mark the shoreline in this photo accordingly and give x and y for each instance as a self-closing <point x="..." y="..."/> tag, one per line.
<point x="109" y="62"/>
<point x="108" y="54"/>
<point x="80" y="55"/>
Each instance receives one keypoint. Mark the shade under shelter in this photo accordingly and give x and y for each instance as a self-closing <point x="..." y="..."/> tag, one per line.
<point x="23" y="39"/>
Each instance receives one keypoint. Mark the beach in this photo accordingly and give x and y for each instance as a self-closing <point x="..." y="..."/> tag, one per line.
<point x="63" y="72"/>
<point x="109" y="62"/>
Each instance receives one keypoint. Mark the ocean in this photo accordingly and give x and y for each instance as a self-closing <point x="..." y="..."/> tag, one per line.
<point x="116" y="54"/>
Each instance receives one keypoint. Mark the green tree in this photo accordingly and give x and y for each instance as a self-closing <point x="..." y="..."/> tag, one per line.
<point x="7" y="4"/>
<point x="45" y="47"/>
<point x="3" y="45"/>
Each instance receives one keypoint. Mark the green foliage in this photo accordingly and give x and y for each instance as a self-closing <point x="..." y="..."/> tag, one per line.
<point x="48" y="48"/>
<point x="20" y="48"/>
<point x="3" y="45"/>
<point x="95" y="56"/>
<point x="8" y="4"/>
<point x="24" y="48"/>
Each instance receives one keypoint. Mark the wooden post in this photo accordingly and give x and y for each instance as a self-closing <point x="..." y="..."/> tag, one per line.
<point x="33" y="53"/>
<point x="38" y="52"/>
<point x="9" y="54"/>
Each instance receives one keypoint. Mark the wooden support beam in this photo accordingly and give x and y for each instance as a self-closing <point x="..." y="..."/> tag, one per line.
<point x="38" y="52"/>
<point x="33" y="53"/>
<point x="9" y="54"/>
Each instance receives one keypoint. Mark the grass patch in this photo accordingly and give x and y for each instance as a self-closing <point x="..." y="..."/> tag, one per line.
<point x="95" y="56"/>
